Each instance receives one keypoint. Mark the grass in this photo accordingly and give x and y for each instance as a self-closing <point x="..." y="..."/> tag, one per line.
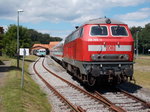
<point x="28" y="99"/>
<point x="32" y="99"/>
<point x="143" y="62"/>
<point x="142" y="71"/>
<point x="2" y="58"/>
<point x="143" y="78"/>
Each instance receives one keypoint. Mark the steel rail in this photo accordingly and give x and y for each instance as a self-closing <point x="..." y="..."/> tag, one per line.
<point x="146" y="104"/>
<point x="101" y="99"/>
<point x="76" y="109"/>
<point x="105" y="99"/>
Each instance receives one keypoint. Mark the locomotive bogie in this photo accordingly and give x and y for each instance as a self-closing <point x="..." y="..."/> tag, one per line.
<point x="100" y="70"/>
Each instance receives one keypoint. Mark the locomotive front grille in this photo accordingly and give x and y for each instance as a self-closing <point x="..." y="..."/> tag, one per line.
<point x="109" y="57"/>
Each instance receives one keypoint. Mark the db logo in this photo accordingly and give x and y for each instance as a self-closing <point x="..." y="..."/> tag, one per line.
<point x="110" y="48"/>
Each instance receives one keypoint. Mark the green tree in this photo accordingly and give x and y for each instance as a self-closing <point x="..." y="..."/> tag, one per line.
<point x="1" y="43"/>
<point x="9" y="41"/>
<point x="27" y="37"/>
<point x="143" y="35"/>
<point x="144" y="38"/>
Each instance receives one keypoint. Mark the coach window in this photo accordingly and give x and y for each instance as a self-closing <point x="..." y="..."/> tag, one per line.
<point x="99" y="31"/>
<point x="118" y="31"/>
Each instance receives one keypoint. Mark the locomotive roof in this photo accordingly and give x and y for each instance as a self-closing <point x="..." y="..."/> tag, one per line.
<point x="59" y="44"/>
<point x="103" y="21"/>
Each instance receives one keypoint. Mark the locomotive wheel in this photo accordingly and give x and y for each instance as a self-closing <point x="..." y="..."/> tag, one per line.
<point x="91" y="80"/>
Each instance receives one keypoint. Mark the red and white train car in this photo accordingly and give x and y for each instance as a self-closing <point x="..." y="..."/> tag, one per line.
<point x="100" y="50"/>
<point x="57" y="51"/>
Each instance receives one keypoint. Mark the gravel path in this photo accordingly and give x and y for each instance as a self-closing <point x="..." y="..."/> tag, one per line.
<point x="3" y="71"/>
<point x="4" y="67"/>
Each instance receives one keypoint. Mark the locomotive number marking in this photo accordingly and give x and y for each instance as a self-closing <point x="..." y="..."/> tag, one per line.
<point x="110" y="48"/>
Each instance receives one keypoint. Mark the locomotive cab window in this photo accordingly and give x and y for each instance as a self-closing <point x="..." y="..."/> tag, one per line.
<point x="99" y="31"/>
<point x="118" y="31"/>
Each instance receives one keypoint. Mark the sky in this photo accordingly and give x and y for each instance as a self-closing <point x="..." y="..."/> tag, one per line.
<point x="59" y="17"/>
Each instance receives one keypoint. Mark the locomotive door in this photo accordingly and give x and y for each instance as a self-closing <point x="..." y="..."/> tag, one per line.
<point x="73" y="50"/>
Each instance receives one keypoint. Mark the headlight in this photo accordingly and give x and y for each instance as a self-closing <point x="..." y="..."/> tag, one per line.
<point x="126" y="57"/>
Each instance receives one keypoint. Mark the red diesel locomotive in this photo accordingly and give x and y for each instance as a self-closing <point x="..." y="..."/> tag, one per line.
<point x="101" y="50"/>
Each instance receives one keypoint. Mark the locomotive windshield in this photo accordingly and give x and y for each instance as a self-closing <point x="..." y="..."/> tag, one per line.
<point x="99" y="30"/>
<point x="118" y="31"/>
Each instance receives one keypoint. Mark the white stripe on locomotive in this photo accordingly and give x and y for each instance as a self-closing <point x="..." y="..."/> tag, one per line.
<point x="103" y="48"/>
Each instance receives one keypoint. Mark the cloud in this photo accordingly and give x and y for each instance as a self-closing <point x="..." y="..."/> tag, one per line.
<point x="137" y="18"/>
<point x="124" y="3"/>
<point x="73" y="11"/>
<point x="141" y="14"/>
<point x="9" y="8"/>
<point x="58" y="10"/>
<point x="56" y="33"/>
<point x="5" y="27"/>
<point x="137" y="23"/>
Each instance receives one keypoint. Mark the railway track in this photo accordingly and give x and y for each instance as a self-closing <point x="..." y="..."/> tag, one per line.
<point x="76" y="99"/>
<point x="125" y="100"/>
<point x="64" y="104"/>
<point x="80" y="100"/>
<point x="132" y="102"/>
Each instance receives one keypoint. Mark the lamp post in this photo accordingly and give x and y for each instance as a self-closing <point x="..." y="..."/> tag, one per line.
<point x="18" y="11"/>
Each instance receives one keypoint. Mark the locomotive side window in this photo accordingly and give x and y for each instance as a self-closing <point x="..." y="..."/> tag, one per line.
<point x="75" y="35"/>
<point x="118" y="31"/>
<point x="81" y="32"/>
<point x="99" y="31"/>
<point x="67" y="39"/>
<point x="78" y="33"/>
